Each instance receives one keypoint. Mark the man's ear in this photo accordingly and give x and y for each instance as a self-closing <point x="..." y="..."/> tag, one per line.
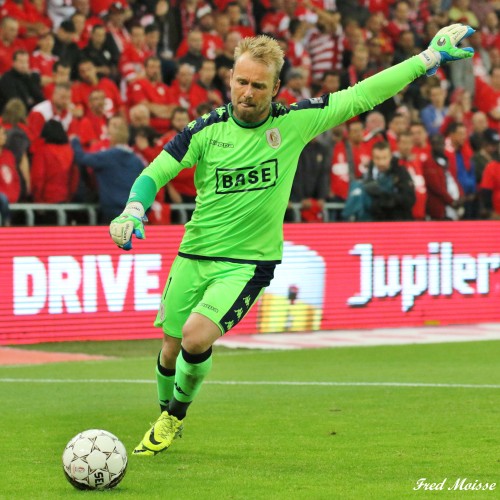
<point x="276" y="87"/>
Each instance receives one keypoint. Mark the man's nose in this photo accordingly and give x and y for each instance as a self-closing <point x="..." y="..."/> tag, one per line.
<point x="248" y="91"/>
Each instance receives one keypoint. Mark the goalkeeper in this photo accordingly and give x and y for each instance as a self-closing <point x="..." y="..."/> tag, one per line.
<point x="246" y="154"/>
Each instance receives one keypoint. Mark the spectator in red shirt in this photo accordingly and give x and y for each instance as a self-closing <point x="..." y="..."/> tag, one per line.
<point x="61" y="73"/>
<point x="116" y="17"/>
<point x="376" y="6"/>
<point x="205" y="80"/>
<point x="397" y="125"/>
<point x="421" y="146"/>
<point x="181" y="189"/>
<point x="295" y="89"/>
<point x="326" y="45"/>
<point x="142" y="135"/>
<point x="42" y="60"/>
<point x="82" y="8"/>
<point x="374" y="132"/>
<point x="93" y="126"/>
<point x="188" y="10"/>
<point x="10" y="182"/>
<point x="90" y="81"/>
<point x="399" y="22"/>
<point x="375" y="31"/>
<point x="487" y="97"/>
<point x="297" y="53"/>
<point x="133" y="57"/>
<point x="358" y="69"/>
<point x="57" y="108"/>
<point x="9" y="42"/>
<point x="154" y="94"/>
<point x="185" y="92"/>
<point x="490" y="32"/>
<point x="275" y="18"/>
<point x="53" y="173"/>
<point x="14" y="122"/>
<point x="225" y="60"/>
<point x="31" y="21"/>
<point x="407" y="159"/>
<point x="103" y="7"/>
<point x="237" y="20"/>
<point x="490" y="187"/>
<point x="212" y="40"/>
<point x="81" y="36"/>
<point x="347" y="163"/>
<point x="329" y="83"/>
<point x="459" y="111"/>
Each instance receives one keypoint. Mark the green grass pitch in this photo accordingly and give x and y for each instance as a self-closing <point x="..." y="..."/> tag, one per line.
<point x="287" y="433"/>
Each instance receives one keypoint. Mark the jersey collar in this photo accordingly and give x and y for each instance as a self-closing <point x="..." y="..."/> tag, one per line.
<point x="245" y="124"/>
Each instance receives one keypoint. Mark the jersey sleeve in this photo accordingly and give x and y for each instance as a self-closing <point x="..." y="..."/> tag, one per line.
<point x="181" y="152"/>
<point x="322" y="113"/>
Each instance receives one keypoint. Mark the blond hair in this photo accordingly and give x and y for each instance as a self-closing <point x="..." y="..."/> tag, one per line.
<point x="263" y="49"/>
<point x="15" y="111"/>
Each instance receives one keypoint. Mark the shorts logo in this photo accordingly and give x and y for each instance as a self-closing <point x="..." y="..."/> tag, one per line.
<point x="273" y="137"/>
<point x="253" y="178"/>
<point x="208" y="306"/>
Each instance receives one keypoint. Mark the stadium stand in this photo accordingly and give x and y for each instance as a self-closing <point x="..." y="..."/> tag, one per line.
<point x="116" y="56"/>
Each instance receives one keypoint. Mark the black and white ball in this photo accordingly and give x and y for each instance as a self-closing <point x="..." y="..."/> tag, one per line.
<point x="94" y="460"/>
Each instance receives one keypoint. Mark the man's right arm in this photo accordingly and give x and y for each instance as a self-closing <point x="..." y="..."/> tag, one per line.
<point x="159" y="173"/>
<point x="142" y="194"/>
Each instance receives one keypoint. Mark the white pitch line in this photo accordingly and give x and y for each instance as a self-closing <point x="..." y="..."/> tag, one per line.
<point x="256" y="382"/>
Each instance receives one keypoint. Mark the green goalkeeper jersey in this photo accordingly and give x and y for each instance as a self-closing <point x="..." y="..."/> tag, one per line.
<point x="244" y="172"/>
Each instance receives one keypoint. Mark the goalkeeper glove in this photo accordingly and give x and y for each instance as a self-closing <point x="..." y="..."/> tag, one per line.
<point x="130" y="222"/>
<point x="443" y="47"/>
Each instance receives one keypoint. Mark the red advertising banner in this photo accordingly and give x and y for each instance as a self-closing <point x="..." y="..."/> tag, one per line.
<point x="72" y="283"/>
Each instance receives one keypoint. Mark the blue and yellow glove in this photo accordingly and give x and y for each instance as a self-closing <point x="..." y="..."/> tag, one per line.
<point x="443" y="47"/>
<point x="129" y="223"/>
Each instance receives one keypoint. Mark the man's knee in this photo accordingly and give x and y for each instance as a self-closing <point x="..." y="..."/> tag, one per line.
<point x="198" y="334"/>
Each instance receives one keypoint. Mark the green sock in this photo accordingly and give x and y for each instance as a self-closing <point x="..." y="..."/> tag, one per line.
<point x="164" y="384"/>
<point x="190" y="371"/>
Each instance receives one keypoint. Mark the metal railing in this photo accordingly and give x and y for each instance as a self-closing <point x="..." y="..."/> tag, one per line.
<point x="63" y="211"/>
<point x="31" y="211"/>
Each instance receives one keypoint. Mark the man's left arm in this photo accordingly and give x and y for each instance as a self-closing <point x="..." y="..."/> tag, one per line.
<point x="320" y="114"/>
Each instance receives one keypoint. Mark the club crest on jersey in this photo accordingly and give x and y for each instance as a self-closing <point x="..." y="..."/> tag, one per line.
<point x="273" y="138"/>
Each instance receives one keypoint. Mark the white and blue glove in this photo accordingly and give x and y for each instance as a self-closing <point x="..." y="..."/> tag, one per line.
<point x="129" y="223"/>
<point x="443" y="47"/>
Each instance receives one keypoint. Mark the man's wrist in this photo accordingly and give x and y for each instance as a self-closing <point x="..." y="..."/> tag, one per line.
<point x="135" y="209"/>
<point x="430" y="58"/>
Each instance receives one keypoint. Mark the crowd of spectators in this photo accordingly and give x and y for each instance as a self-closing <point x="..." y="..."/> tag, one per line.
<point x="91" y="90"/>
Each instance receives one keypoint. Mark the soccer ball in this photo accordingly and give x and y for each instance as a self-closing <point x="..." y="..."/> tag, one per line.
<point x="94" y="460"/>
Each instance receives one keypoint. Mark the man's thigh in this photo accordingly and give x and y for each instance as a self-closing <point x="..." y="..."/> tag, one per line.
<point x="221" y="291"/>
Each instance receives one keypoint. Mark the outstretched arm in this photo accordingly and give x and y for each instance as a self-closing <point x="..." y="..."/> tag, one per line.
<point x="320" y="114"/>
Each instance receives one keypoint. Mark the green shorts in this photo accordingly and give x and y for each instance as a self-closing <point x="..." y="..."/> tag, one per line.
<point x="220" y="290"/>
